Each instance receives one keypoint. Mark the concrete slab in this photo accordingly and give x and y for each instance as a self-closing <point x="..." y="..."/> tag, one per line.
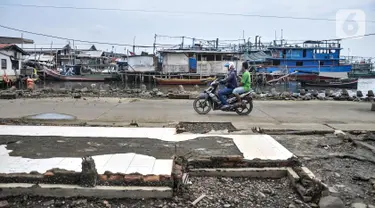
<point x="240" y="172"/>
<point x="105" y="192"/>
<point x="354" y="126"/>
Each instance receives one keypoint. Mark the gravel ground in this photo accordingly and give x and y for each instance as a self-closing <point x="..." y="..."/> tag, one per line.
<point x="220" y="192"/>
<point x="341" y="175"/>
<point x="206" y="127"/>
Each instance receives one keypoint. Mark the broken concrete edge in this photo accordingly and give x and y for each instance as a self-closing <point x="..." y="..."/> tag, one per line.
<point x="85" y="123"/>
<point x="236" y="162"/>
<point x="306" y="184"/>
<point x="274" y="173"/>
<point x="68" y="191"/>
<point x="62" y="176"/>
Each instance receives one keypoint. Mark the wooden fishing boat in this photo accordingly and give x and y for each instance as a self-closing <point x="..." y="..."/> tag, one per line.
<point x="178" y="81"/>
<point x="342" y="83"/>
<point x="94" y="77"/>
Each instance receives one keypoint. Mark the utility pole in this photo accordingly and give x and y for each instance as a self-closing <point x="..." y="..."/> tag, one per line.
<point x="182" y="43"/>
<point x="22" y="40"/>
<point x="154" y="44"/>
<point x="134" y="45"/>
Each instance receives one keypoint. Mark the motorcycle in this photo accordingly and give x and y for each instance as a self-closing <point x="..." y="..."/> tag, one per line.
<point x="209" y="99"/>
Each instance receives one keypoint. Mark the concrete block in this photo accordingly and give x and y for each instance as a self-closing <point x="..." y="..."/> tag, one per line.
<point x="293" y="176"/>
<point x="373" y="106"/>
<point x="105" y="192"/>
<point x="240" y="172"/>
<point x="308" y="172"/>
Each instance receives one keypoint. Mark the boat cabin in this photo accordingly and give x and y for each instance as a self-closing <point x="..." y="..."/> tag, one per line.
<point x="310" y="57"/>
<point x="197" y="61"/>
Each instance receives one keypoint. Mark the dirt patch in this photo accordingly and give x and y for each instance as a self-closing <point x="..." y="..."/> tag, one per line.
<point x="205" y="127"/>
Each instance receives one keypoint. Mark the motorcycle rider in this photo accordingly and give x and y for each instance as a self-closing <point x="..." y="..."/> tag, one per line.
<point x="245" y="83"/>
<point x="231" y="84"/>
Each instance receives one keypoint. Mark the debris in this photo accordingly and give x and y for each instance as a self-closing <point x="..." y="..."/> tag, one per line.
<point x="181" y="88"/>
<point x="49" y="203"/>
<point x="106" y="204"/>
<point x="331" y="202"/>
<point x="262" y="194"/>
<point x="79" y="202"/>
<point x="292" y="206"/>
<point x="339" y="133"/>
<point x="89" y="174"/>
<point x="369" y="136"/>
<point x="358" y="205"/>
<point x="134" y="123"/>
<point x="4" y="204"/>
<point x="338" y="155"/>
<point x="198" y="199"/>
<point x="257" y="130"/>
<point x="77" y="96"/>
<point x="365" y="145"/>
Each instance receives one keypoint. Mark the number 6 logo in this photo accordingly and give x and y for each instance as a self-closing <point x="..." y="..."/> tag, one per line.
<point x="350" y="22"/>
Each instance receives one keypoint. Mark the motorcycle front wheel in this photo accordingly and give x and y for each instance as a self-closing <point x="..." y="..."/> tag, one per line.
<point x="201" y="106"/>
<point x="245" y="109"/>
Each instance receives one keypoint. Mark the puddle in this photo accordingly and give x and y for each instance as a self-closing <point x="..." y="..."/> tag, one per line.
<point x="52" y="116"/>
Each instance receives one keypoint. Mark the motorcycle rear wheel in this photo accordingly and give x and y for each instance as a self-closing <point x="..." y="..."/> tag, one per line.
<point x="246" y="110"/>
<point x="201" y="103"/>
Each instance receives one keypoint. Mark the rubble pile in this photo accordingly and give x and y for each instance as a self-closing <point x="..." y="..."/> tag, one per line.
<point x="180" y="93"/>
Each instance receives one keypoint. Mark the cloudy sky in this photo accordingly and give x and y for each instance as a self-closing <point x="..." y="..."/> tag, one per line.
<point x="122" y="27"/>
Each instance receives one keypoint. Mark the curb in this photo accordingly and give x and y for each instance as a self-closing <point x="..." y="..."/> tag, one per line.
<point x="106" y="192"/>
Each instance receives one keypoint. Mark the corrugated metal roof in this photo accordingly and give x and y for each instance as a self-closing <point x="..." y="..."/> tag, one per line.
<point x="90" y="54"/>
<point x="198" y="51"/>
<point x="13" y="46"/>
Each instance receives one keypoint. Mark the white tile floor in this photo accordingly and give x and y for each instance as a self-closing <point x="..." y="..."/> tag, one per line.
<point x="115" y="163"/>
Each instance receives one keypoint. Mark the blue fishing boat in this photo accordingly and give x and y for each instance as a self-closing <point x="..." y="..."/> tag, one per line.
<point x="309" y="59"/>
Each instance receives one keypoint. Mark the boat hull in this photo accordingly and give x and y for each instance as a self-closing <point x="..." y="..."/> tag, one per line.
<point x="349" y="84"/>
<point x="306" y="69"/>
<point x="53" y="75"/>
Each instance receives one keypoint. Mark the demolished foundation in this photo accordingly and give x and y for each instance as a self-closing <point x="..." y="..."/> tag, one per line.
<point x="132" y="175"/>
